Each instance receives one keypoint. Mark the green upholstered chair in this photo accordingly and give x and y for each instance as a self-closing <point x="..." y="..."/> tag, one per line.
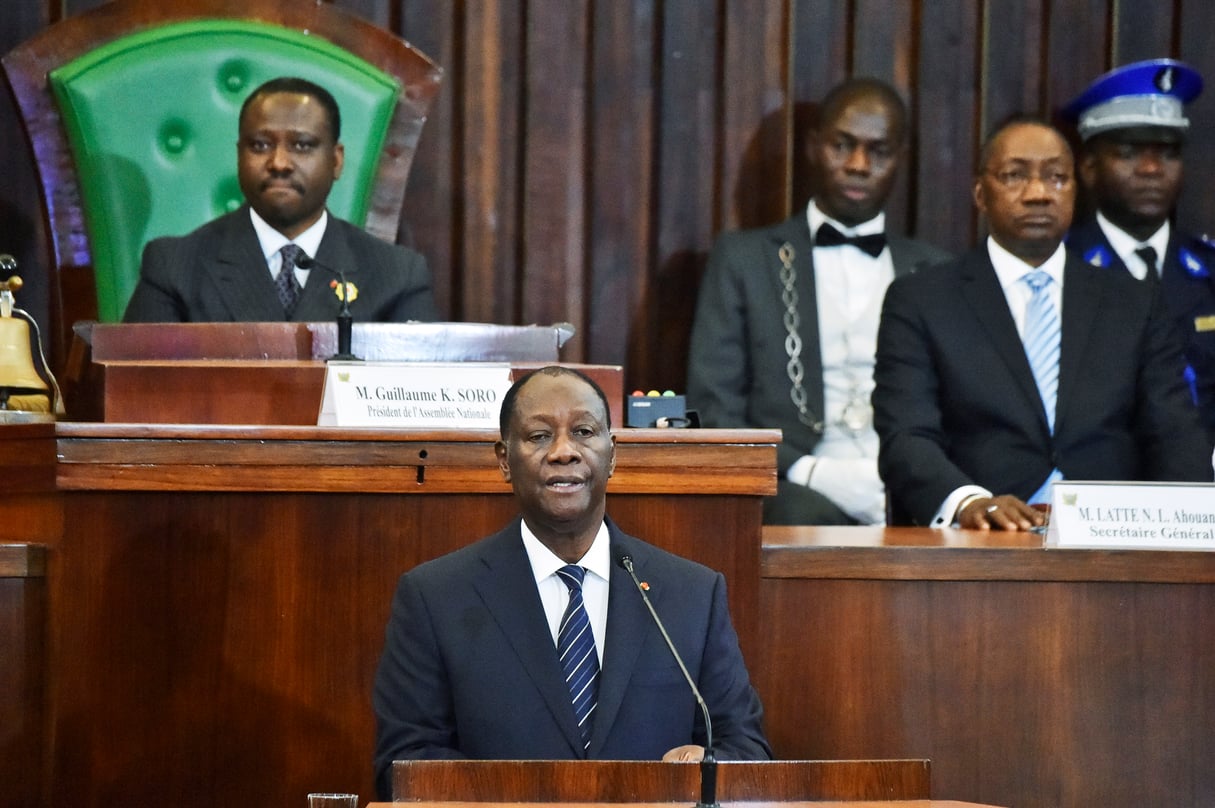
<point x="131" y="110"/>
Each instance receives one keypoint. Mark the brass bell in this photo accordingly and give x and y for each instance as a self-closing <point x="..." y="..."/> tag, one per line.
<point x="22" y="389"/>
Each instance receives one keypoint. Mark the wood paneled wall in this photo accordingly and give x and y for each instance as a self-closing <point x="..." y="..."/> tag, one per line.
<point x="583" y="155"/>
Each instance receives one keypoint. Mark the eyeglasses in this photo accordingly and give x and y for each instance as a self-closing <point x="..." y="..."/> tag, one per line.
<point x="1016" y="179"/>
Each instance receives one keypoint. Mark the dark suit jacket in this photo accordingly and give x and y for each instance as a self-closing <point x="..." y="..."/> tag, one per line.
<point x="1187" y="284"/>
<point x="218" y="274"/>
<point x="470" y="669"/>
<point x="955" y="402"/>
<point x="736" y="365"/>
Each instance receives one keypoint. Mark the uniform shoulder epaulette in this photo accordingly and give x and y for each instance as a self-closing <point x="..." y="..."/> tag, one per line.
<point x="1098" y="256"/>
<point x="1196" y="254"/>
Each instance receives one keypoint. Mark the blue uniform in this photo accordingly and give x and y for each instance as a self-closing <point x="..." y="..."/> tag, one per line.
<point x="1187" y="284"/>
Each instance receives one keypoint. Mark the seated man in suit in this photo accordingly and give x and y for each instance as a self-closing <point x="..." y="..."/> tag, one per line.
<point x="1018" y="364"/>
<point x="787" y="317"/>
<point x="473" y="658"/>
<point x="1133" y="126"/>
<point x="253" y="264"/>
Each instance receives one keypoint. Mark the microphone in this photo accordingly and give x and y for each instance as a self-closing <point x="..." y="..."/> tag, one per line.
<point x="708" y="765"/>
<point x="345" y="320"/>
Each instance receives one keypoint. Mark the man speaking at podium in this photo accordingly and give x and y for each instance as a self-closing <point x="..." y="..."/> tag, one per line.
<point x="278" y="256"/>
<point x="535" y="643"/>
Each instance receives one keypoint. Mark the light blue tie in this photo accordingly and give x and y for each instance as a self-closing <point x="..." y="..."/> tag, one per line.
<point x="1042" y="349"/>
<point x="576" y="648"/>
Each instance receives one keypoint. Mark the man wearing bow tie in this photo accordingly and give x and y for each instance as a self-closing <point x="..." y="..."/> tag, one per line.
<point x="787" y="318"/>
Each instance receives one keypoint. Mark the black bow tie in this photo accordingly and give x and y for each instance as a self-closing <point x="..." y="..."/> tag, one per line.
<point x="828" y="236"/>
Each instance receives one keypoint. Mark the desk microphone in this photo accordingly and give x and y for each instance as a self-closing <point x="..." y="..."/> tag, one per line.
<point x="708" y="765"/>
<point x="345" y="321"/>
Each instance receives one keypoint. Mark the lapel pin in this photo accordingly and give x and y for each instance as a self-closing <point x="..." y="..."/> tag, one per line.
<point x="349" y="294"/>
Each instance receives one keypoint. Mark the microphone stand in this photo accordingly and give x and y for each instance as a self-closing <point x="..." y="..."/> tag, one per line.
<point x="345" y="325"/>
<point x="345" y="320"/>
<point x="708" y="778"/>
<point x="708" y="764"/>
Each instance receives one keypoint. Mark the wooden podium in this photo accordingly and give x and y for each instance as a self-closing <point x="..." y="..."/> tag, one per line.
<point x="217" y="592"/>
<point x="618" y="781"/>
<point x="274" y="373"/>
<point x="758" y="803"/>
<point x="216" y="595"/>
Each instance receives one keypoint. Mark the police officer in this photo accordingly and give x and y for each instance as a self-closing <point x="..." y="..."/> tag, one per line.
<point x="1132" y="125"/>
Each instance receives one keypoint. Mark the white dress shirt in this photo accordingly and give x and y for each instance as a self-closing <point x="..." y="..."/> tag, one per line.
<point x="1125" y="245"/>
<point x="272" y="241"/>
<point x="849" y="286"/>
<point x="555" y="595"/>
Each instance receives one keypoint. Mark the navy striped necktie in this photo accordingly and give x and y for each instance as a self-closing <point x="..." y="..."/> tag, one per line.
<point x="576" y="648"/>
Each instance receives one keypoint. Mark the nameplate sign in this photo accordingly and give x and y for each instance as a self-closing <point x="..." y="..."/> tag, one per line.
<point x="1132" y="516"/>
<point x="419" y="395"/>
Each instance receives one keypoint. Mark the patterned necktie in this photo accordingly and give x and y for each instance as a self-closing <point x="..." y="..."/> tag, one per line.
<point x="576" y="648"/>
<point x="1042" y="341"/>
<point x="828" y="236"/>
<point x="1147" y="254"/>
<point x="288" y="286"/>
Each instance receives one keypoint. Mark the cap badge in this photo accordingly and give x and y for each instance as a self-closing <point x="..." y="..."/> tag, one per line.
<point x="1164" y="80"/>
<point x="1165" y="109"/>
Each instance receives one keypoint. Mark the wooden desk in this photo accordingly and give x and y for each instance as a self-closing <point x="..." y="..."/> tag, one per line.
<point x="1028" y="676"/>
<point x="218" y="594"/>
<point x="22" y="671"/>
